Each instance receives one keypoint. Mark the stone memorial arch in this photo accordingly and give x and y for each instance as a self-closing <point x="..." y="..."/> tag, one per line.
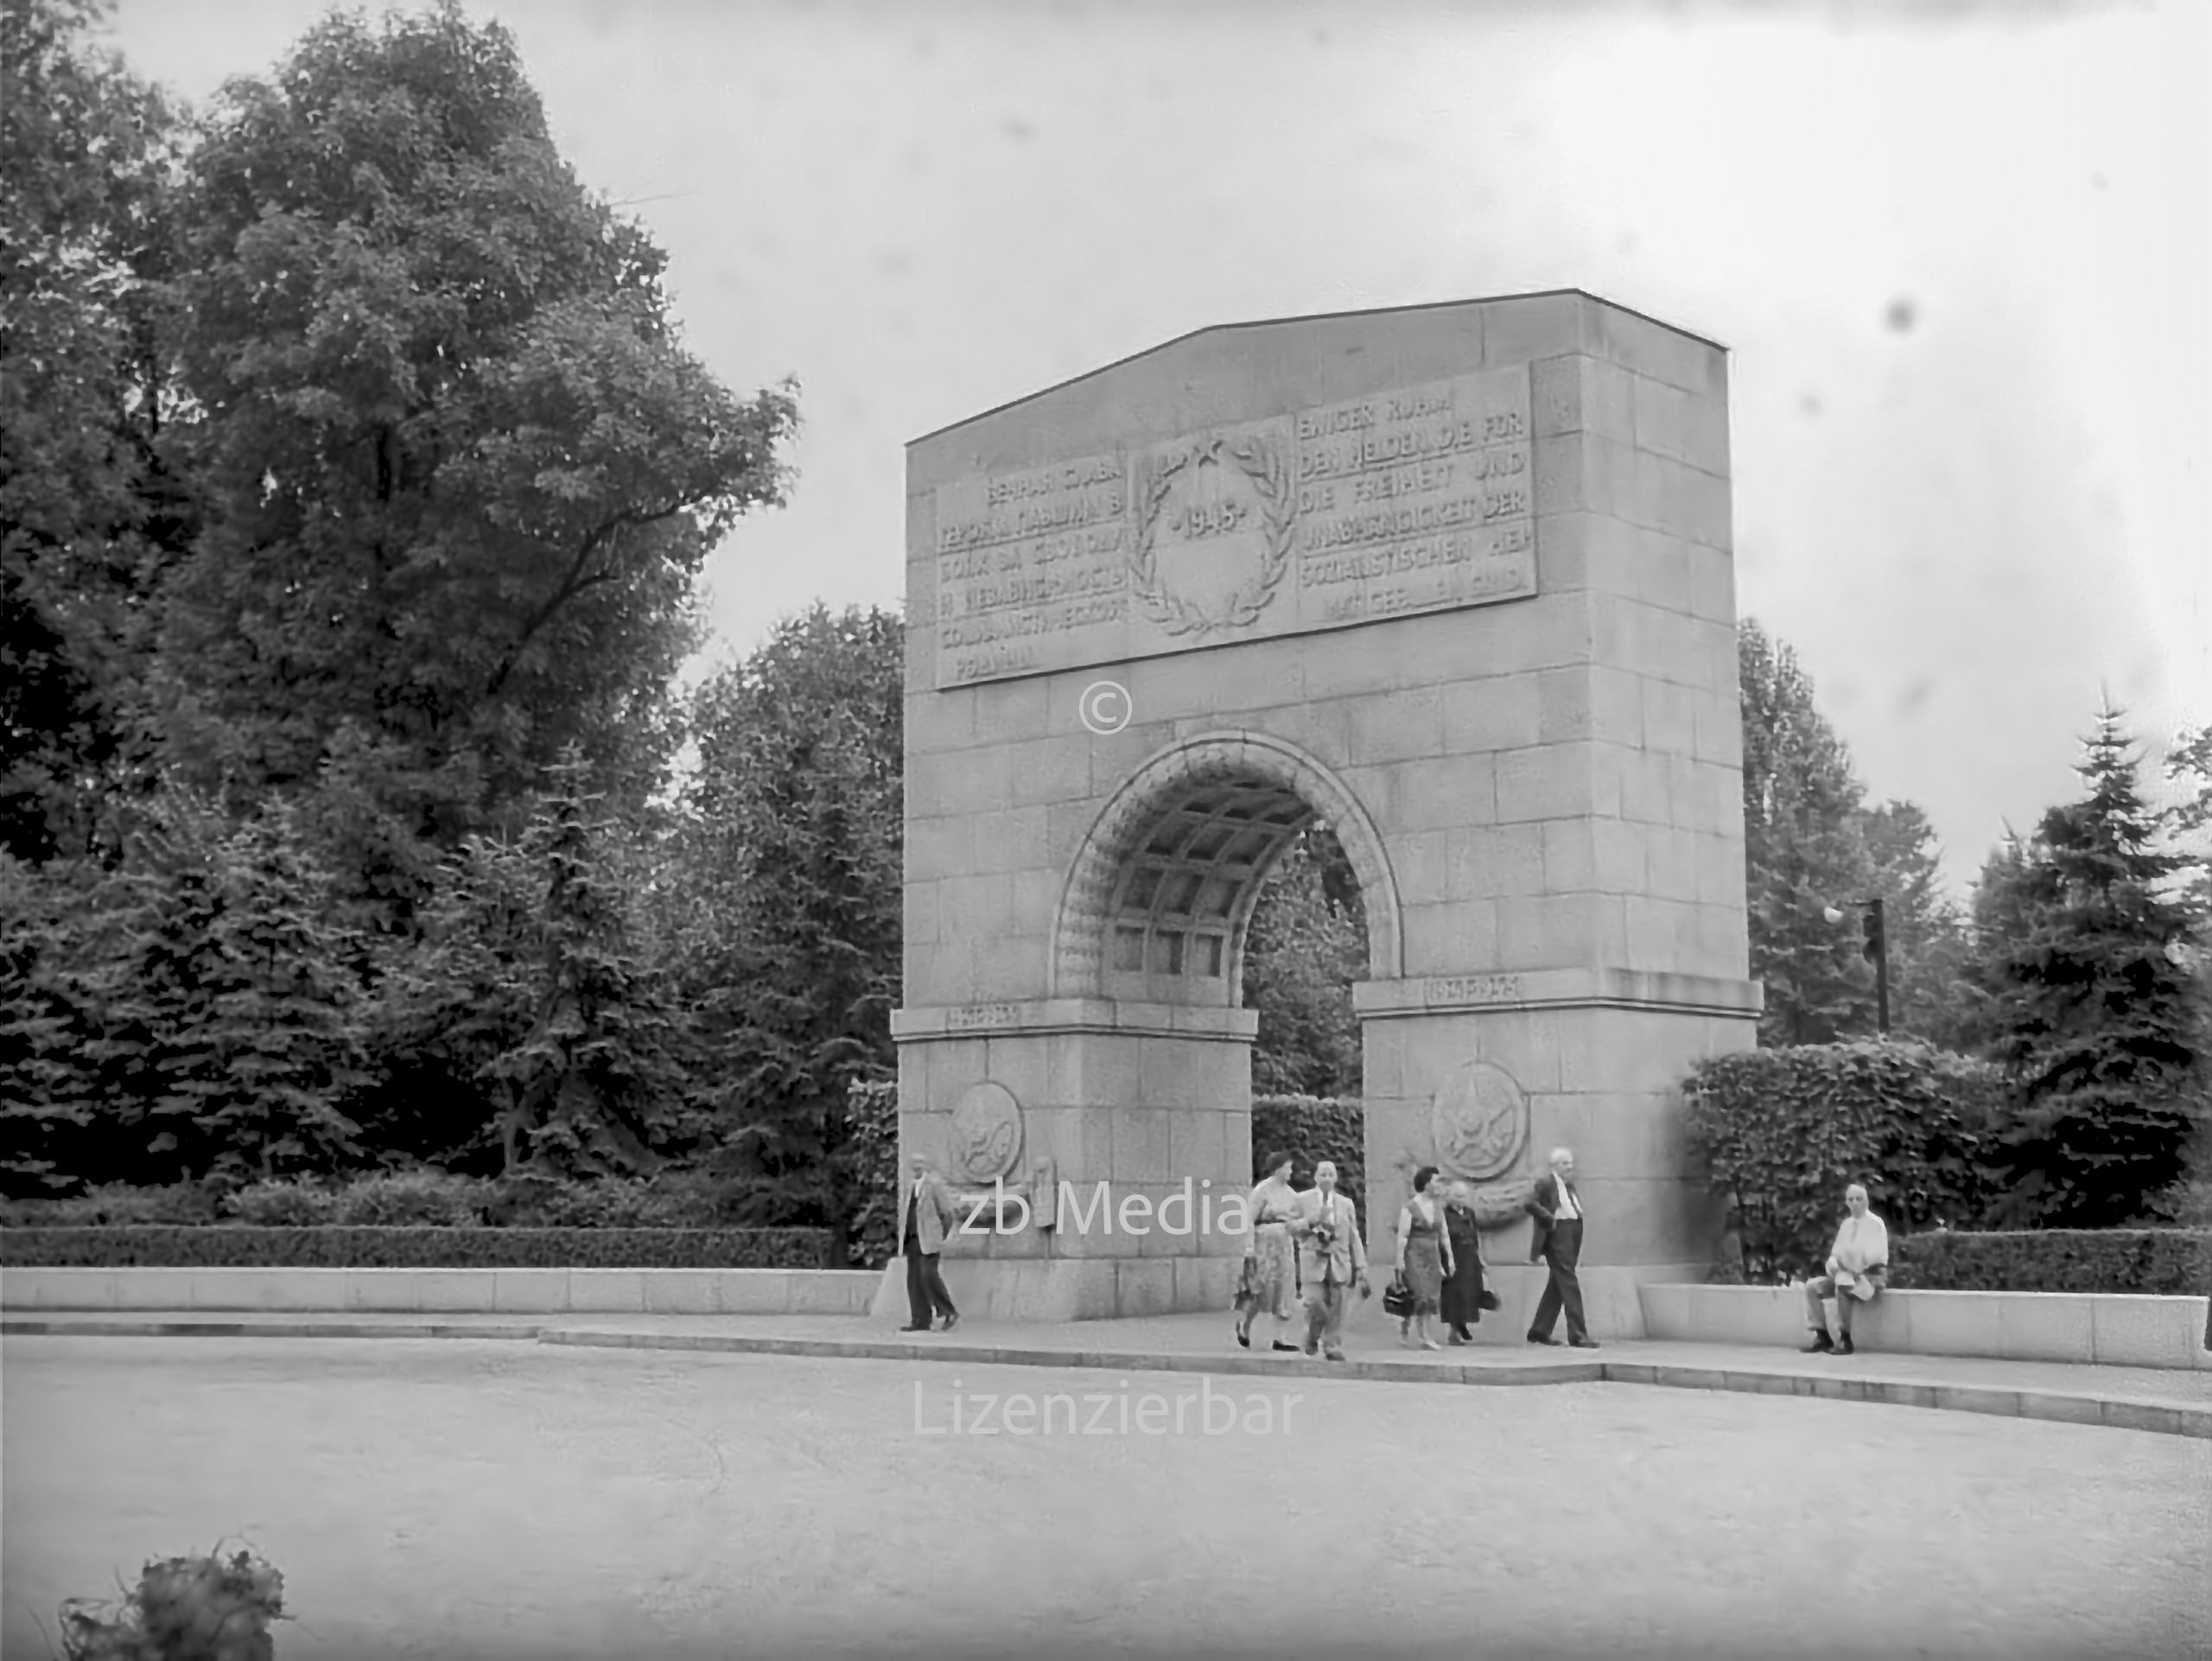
<point x="1454" y="580"/>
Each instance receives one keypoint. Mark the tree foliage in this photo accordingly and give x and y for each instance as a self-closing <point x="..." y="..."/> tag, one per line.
<point x="2088" y="1001"/>
<point x="596" y="1084"/>
<point x="1804" y="852"/>
<point x="200" y="1009"/>
<point x="1926" y="928"/>
<point x="458" y="471"/>
<point x="1812" y="843"/>
<point x="1305" y="946"/>
<point x="782" y="897"/>
<point x="91" y="505"/>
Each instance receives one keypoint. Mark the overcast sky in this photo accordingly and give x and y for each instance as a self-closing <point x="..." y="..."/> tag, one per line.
<point x="1963" y="262"/>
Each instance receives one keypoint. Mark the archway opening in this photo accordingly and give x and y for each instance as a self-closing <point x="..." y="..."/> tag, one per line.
<point x="1159" y="903"/>
<point x="1182" y="897"/>
<point x="1232" y="870"/>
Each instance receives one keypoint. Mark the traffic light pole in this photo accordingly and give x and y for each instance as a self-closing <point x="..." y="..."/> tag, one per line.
<point x="1878" y="948"/>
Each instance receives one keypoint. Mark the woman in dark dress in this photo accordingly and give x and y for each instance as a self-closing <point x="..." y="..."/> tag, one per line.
<point x="1463" y="1289"/>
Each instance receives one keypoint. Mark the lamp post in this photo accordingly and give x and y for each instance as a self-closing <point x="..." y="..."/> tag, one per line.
<point x="1876" y="952"/>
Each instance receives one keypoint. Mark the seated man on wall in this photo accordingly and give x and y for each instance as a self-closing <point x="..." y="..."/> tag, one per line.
<point x="1858" y="1267"/>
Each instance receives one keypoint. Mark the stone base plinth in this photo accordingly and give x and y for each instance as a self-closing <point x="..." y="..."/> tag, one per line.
<point x="1095" y="1288"/>
<point x="1067" y="1289"/>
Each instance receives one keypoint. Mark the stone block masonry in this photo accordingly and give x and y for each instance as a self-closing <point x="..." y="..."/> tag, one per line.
<point x="1454" y="580"/>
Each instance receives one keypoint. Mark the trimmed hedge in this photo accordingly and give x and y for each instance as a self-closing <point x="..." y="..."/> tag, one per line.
<point x="1315" y="1128"/>
<point x="155" y="1246"/>
<point x="2173" y="1263"/>
<point x="417" y="1199"/>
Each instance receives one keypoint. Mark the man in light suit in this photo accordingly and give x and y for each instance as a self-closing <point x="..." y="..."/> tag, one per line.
<point x="1331" y="1258"/>
<point x="926" y="1215"/>
<point x="1858" y="1269"/>
<point x="1557" y="1243"/>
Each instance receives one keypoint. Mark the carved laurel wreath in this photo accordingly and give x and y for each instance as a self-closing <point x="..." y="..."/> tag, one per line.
<point x="1261" y="465"/>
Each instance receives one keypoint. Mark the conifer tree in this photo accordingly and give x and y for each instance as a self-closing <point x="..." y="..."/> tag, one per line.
<point x="227" y="1001"/>
<point x="787" y="873"/>
<point x="596" y="1087"/>
<point x="2086" y="1001"/>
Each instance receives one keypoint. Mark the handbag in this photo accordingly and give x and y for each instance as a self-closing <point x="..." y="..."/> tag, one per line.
<point x="1246" y="1298"/>
<point x="1485" y="1300"/>
<point x="1398" y="1297"/>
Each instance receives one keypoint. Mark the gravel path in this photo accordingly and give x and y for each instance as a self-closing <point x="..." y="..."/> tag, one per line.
<point x="468" y="1498"/>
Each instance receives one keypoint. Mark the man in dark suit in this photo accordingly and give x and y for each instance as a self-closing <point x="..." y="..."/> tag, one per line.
<point x="1557" y="1243"/>
<point x="926" y="1215"/>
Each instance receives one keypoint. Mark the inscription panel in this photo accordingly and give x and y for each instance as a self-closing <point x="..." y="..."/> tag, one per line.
<point x="1456" y="989"/>
<point x="969" y="1016"/>
<point x="1413" y="501"/>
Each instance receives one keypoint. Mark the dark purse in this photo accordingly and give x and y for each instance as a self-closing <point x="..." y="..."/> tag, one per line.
<point x="1398" y="1297"/>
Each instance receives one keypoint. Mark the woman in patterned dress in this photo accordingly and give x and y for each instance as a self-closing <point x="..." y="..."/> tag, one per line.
<point x="1270" y="1259"/>
<point x="1424" y="1258"/>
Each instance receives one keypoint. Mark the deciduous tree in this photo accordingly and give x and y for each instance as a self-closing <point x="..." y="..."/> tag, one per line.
<point x="1803" y="850"/>
<point x="460" y="472"/>
<point x="92" y="507"/>
<point x="1926" y="937"/>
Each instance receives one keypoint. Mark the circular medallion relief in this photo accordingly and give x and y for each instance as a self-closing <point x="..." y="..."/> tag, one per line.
<point x="986" y="1132"/>
<point x="1213" y="534"/>
<point x="1480" y="1119"/>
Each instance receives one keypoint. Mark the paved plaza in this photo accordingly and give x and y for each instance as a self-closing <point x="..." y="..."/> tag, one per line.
<point x="467" y="1498"/>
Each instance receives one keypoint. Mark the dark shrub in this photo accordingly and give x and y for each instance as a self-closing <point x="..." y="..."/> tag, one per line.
<point x="1780" y="1132"/>
<point x="1313" y="1128"/>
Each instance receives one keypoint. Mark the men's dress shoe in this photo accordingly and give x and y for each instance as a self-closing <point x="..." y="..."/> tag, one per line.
<point x="1537" y="1338"/>
<point x="1288" y="1349"/>
<point x="1307" y="1349"/>
<point x="1846" y="1348"/>
<point x="951" y="1322"/>
<point x="1335" y="1355"/>
<point x="1582" y="1343"/>
<point x="1819" y="1346"/>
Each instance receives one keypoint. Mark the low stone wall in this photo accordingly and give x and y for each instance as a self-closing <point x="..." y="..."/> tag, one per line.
<point x="2113" y="1329"/>
<point x="1098" y="1290"/>
<point x="471" y="1291"/>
